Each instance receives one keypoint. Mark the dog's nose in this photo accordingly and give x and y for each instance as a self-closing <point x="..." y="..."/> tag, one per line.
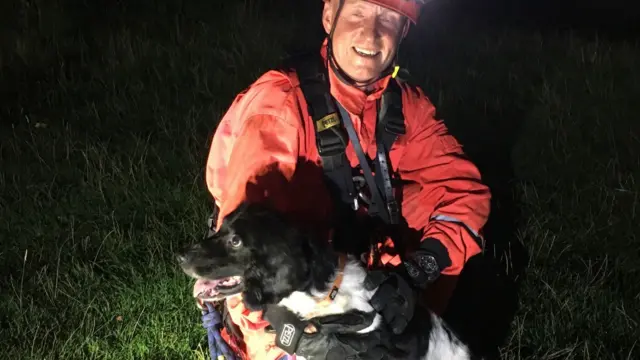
<point x="181" y="258"/>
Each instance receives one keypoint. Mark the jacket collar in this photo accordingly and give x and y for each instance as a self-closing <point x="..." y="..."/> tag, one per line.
<point x="353" y="99"/>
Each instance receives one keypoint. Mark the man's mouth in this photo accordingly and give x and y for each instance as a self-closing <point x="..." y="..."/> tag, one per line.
<point x="366" y="52"/>
<point x="214" y="290"/>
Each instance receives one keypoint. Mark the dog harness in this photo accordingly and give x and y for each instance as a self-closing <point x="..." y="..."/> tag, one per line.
<point x="335" y="288"/>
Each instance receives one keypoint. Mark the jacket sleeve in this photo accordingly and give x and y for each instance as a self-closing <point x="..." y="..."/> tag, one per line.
<point x="253" y="163"/>
<point x="446" y="200"/>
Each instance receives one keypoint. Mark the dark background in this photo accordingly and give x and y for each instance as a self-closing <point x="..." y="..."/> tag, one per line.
<point x="615" y="19"/>
<point x="106" y="112"/>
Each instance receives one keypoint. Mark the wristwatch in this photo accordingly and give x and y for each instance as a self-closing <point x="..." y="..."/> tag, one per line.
<point x="422" y="268"/>
<point x="425" y="264"/>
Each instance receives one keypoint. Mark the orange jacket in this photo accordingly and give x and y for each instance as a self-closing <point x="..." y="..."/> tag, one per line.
<point x="264" y="148"/>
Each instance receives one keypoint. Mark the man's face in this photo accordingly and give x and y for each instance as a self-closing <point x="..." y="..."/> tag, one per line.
<point x="365" y="37"/>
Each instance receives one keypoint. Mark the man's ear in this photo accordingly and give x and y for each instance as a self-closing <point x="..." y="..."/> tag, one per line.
<point x="328" y="15"/>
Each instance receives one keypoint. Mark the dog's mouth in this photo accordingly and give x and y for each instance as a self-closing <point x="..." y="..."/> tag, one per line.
<point x="219" y="289"/>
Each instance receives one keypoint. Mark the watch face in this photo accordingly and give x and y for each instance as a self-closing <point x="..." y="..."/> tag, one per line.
<point x="423" y="269"/>
<point x="429" y="265"/>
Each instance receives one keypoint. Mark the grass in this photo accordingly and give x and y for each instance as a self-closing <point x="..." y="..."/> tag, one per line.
<point x="105" y="126"/>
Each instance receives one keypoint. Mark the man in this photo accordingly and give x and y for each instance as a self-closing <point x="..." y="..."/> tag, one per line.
<point x="266" y="149"/>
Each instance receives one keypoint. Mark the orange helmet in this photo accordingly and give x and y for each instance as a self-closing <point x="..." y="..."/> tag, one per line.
<point x="408" y="8"/>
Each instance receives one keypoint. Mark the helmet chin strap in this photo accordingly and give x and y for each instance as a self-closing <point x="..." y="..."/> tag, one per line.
<point x="341" y="74"/>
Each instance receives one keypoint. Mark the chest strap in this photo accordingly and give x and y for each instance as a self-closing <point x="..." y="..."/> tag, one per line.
<point x="330" y="119"/>
<point x="330" y="139"/>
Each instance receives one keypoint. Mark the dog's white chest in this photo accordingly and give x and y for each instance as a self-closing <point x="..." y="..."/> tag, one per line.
<point x="308" y="307"/>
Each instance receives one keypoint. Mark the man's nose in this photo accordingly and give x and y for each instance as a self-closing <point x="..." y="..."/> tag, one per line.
<point x="370" y="27"/>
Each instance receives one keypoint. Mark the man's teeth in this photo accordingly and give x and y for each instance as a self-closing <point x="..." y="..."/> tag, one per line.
<point x="365" y="52"/>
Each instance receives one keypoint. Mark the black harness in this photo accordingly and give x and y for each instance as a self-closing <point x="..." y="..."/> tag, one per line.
<point x="334" y="129"/>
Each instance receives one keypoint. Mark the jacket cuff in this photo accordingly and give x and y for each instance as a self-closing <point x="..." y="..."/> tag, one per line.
<point x="435" y="247"/>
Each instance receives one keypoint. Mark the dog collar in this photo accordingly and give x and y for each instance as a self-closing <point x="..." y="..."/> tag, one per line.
<point x="342" y="262"/>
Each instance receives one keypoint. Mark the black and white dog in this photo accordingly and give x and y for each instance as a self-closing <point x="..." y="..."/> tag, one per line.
<point x="259" y="253"/>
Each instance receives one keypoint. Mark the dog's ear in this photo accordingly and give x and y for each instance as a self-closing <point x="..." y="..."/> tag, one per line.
<point x="235" y="214"/>
<point x="253" y="214"/>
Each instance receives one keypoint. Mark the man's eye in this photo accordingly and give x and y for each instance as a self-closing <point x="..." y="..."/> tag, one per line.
<point x="391" y="20"/>
<point x="357" y="14"/>
<point x="235" y="242"/>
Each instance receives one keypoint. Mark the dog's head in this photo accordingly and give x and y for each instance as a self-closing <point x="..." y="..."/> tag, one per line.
<point x="260" y="253"/>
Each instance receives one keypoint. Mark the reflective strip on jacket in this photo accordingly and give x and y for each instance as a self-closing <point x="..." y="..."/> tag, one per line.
<point x="264" y="148"/>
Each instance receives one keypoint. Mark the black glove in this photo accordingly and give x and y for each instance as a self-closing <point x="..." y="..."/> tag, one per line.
<point x="334" y="336"/>
<point x="395" y="300"/>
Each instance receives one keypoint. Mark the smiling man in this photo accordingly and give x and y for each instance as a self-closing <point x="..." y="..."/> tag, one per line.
<point x="366" y="37"/>
<point x="345" y="147"/>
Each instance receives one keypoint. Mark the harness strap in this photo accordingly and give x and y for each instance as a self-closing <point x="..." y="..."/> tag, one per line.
<point x="337" y="282"/>
<point x="331" y="142"/>
<point x="377" y="199"/>
<point x="390" y="126"/>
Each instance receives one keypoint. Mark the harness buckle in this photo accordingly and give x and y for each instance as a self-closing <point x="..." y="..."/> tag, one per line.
<point x="355" y="206"/>
<point x="331" y="142"/>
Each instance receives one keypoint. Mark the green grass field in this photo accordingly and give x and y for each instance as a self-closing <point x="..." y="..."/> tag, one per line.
<point x="106" y="117"/>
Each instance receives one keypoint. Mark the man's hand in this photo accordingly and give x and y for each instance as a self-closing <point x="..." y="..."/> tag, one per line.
<point x="395" y="300"/>
<point x="330" y="337"/>
<point x="396" y="297"/>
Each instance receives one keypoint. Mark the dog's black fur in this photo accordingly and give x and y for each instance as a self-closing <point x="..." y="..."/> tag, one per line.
<point x="274" y="258"/>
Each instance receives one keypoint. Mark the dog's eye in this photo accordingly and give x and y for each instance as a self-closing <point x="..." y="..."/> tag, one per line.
<point x="235" y="242"/>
